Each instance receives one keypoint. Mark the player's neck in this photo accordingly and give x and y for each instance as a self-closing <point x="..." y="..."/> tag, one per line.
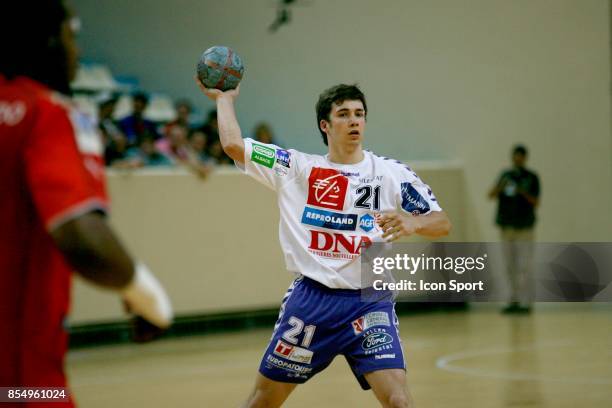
<point x="345" y="154"/>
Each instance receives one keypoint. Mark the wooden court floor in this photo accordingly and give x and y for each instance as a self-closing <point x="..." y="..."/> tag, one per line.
<point x="560" y="356"/>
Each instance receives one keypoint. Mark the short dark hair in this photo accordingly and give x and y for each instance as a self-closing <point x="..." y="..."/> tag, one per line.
<point x="32" y="45"/>
<point x="337" y="94"/>
<point x="141" y="96"/>
<point x="520" y="149"/>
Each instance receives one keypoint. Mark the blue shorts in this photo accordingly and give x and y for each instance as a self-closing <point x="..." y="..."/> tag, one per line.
<point x="317" y="323"/>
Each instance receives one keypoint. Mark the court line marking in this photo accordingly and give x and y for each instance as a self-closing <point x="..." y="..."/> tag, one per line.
<point x="445" y="363"/>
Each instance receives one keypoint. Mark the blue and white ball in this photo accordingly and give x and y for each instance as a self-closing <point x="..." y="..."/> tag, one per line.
<point x="221" y="68"/>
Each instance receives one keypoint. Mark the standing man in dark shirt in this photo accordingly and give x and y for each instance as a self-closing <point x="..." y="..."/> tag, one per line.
<point x="518" y="192"/>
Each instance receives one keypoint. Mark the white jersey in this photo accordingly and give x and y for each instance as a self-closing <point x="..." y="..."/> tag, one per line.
<point x="327" y="209"/>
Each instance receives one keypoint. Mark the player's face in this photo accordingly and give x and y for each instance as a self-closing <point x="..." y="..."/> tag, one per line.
<point x="519" y="159"/>
<point x="346" y="124"/>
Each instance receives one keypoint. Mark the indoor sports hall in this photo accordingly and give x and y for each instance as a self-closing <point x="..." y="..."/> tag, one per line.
<point x="453" y="86"/>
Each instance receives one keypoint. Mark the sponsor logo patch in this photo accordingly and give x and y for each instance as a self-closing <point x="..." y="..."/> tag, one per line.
<point x="327" y="188"/>
<point x="383" y="356"/>
<point x="376" y="341"/>
<point x="296" y="368"/>
<point x="262" y="155"/>
<point x="412" y="201"/>
<point x="336" y="245"/>
<point x="328" y="219"/>
<point x="366" y="222"/>
<point x="293" y="353"/>
<point x="283" y="157"/>
<point x="370" y="320"/>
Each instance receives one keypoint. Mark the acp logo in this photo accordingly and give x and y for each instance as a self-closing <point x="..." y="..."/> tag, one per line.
<point x="412" y="201"/>
<point x="327" y="188"/>
<point x="366" y="222"/>
<point x="376" y="340"/>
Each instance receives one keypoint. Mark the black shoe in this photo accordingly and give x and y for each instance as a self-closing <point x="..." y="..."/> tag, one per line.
<point x="513" y="307"/>
<point x="524" y="310"/>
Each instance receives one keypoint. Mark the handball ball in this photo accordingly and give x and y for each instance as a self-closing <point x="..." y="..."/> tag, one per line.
<point x="220" y="67"/>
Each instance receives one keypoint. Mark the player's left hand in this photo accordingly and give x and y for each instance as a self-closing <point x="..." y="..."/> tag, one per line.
<point x="396" y="225"/>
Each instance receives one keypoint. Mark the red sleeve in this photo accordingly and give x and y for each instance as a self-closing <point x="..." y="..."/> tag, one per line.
<point x="61" y="187"/>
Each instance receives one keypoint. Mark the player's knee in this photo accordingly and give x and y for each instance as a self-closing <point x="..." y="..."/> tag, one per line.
<point x="399" y="400"/>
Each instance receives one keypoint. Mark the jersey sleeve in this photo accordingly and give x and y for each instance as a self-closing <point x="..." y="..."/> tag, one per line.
<point x="269" y="164"/>
<point x="414" y="196"/>
<point x="60" y="186"/>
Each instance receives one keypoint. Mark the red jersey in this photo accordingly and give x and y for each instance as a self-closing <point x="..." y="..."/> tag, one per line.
<point x="51" y="171"/>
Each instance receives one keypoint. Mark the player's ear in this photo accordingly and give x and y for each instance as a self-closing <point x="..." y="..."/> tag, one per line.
<point x="324" y="125"/>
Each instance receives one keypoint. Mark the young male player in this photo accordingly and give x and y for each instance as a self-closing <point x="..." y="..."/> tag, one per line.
<point x="330" y="207"/>
<point x="52" y="201"/>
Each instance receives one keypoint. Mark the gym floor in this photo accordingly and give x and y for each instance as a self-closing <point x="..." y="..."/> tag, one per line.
<point x="559" y="356"/>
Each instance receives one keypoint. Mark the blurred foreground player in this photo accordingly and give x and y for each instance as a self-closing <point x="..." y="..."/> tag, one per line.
<point x="330" y="207"/>
<point x="52" y="201"/>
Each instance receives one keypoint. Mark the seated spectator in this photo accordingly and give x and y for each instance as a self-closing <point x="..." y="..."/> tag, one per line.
<point x="215" y="151"/>
<point x="148" y="155"/>
<point x="183" y="113"/>
<point x="109" y="130"/>
<point x="263" y="133"/>
<point x="135" y="126"/>
<point x="198" y="141"/>
<point x="175" y="144"/>
<point x="211" y="128"/>
<point x="115" y="151"/>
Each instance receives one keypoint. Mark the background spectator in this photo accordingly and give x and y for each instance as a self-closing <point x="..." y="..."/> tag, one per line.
<point x="174" y="144"/>
<point x="148" y="155"/>
<point x="183" y="113"/>
<point x="198" y="140"/>
<point x="211" y="128"/>
<point x="263" y="133"/>
<point x="517" y="191"/>
<point x="115" y="151"/>
<point x="135" y="126"/>
<point x="106" y="107"/>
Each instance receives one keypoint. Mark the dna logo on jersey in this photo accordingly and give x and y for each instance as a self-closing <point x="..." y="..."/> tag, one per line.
<point x="327" y="188"/>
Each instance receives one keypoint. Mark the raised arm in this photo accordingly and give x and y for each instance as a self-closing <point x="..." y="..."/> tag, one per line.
<point x="229" y="129"/>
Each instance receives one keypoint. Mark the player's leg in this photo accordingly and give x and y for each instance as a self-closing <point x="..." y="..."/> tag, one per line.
<point x="375" y="353"/>
<point x="268" y="393"/>
<point x="509" y="246"/>
<point x="525" y="255"/>
<point x="390" y="388"/>
<point x="300" y="347"/>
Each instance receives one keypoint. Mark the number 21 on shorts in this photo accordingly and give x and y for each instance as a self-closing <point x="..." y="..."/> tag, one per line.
<point x="297" y="327"/>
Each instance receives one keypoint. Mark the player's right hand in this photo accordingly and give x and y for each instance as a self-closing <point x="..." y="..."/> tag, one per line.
<point x="214" y="94"/>
<point x="146" y="297"/>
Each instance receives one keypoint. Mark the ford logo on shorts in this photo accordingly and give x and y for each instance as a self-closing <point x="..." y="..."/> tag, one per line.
<point x="376" y="340"/>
